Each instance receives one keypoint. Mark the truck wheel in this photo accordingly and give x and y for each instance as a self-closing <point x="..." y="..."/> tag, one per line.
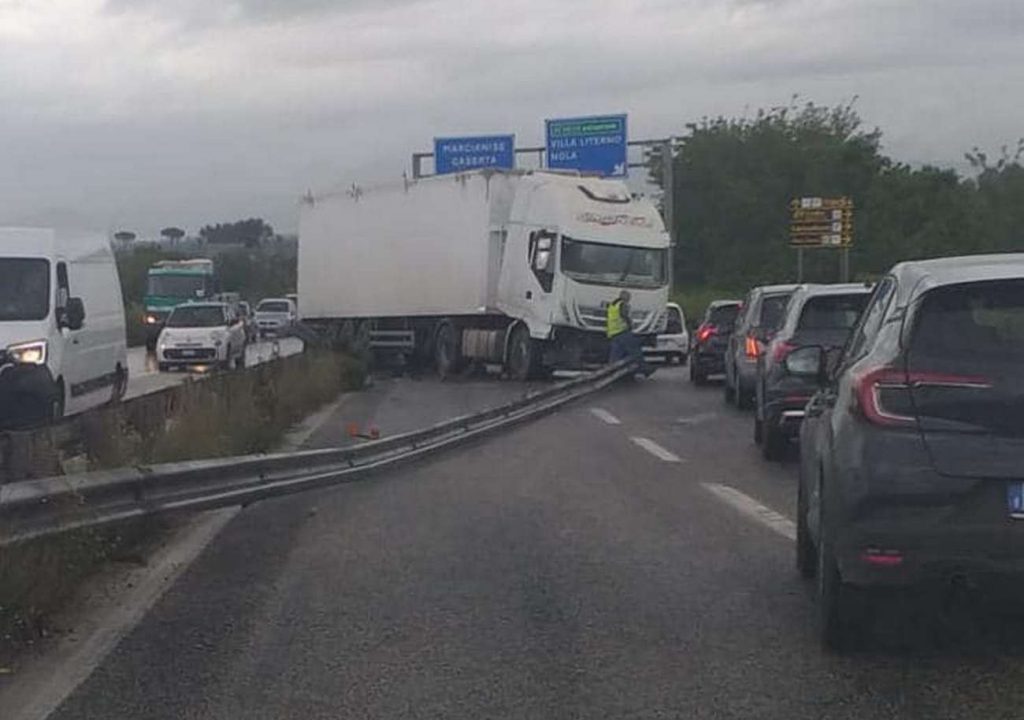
<point x="447" y="353"/>
<point x="523" y="355"/>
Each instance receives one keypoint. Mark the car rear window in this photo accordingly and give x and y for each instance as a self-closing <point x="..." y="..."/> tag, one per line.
<point x="832" y="312"/>
<point x="279" y="306"/>
<point x="983" y="320"/>
<point x="723" y="315"/>
<point x="675" y="322"/>
<point x="773" y="311"/>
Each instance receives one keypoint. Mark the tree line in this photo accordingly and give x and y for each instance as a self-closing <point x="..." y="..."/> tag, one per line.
<point x="735" y="177"/>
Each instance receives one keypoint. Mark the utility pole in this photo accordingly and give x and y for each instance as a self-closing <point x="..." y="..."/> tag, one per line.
<point x="668" y="188"/>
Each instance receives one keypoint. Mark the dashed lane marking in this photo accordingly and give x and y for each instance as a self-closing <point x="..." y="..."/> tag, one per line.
<point x="656" y="450"/>
<point x="753" y="509"/>
<point x="605" y="416"/>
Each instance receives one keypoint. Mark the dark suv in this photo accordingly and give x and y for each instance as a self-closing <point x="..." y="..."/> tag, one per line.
<point x="707" y="343"/>
<point x="819" y="315"/>
<point x="760" y="318"/>
<point x="912" y="452"/>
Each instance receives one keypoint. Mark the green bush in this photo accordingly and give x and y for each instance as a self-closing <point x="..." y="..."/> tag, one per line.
<point x="235" y="413"/>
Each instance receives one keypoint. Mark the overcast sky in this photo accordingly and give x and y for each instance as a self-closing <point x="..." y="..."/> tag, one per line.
<point x="144" y="113"/>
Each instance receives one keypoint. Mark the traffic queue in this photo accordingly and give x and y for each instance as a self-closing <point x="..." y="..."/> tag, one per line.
<point x="907" y="401"/>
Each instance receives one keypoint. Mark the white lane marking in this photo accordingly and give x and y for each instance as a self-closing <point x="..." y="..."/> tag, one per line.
<point x="697" y="419"/>
<point x="753" y="509"/>
<point x="605" y="415"/>
<point x="656" y="450"/>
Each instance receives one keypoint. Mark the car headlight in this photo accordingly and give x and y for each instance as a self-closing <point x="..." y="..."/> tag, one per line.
<point x="31" y="353"/>
<point x="150" y="319"/>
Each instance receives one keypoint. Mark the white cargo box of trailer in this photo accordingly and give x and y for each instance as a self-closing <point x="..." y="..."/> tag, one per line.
<point x="405" y="249"/>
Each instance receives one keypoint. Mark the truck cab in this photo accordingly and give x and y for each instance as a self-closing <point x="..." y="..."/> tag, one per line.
<point x="573" y="243"/>
<point x="170" y="283"/>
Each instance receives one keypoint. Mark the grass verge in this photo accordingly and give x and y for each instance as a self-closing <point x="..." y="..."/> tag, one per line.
<point x="230" y="414"/>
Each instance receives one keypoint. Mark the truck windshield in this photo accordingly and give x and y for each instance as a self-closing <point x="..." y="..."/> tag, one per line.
<point x="24" y="289"/>
<point x="177" y="286"/>
<point x="198" y="316"/>
<point x="613" y="264"/>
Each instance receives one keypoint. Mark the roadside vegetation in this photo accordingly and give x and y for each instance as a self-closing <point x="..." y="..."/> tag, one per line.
<point x="231" y="414"/>
<point x="735" y="177"/>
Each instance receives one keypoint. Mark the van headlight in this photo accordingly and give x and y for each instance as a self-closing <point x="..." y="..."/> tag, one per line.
<point x="30" y="353"/>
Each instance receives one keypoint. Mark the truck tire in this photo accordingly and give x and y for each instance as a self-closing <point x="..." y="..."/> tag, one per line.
<point x="523" y="356"/>
<point x="447" y="350"/>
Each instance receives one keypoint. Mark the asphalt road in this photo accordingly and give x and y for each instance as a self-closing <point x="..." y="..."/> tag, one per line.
<point x="144" y="377"/>
<point x="587" y="565"/>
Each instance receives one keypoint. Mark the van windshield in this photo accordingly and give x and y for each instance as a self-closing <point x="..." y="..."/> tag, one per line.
<point x="198" y="316"/>
<point x="613" y="264"/>
<point x="24" y="289"/>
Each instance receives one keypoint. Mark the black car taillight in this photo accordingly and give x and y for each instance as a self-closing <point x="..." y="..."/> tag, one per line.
<point x="883" y="395"/>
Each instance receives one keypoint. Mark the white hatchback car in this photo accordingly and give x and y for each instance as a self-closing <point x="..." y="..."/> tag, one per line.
<point x="674" y="343"/>
<point x="275" y="316"/>
<point x="202" y="334"/>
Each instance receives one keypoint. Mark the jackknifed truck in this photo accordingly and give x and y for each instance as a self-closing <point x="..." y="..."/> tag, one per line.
<point x="511" y="268"/>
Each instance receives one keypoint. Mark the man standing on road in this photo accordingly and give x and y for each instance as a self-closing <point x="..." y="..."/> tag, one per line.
<point x="620" y="334"/>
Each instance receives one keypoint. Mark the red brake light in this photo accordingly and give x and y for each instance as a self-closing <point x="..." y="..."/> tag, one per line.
<point x="868" y="387"/>
<point x="751" y="347"/>
<point x="705" y="332"/>
<point x="882" y="558"/>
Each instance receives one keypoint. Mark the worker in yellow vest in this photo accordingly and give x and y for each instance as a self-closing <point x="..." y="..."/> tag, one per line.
<point x="622" y="341"/>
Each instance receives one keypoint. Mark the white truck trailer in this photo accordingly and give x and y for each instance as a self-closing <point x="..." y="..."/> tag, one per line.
<point x="507" y="267"/>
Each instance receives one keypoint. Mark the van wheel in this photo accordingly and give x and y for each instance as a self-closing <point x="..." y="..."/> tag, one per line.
<point x="120" y="385"/>
<point x="447" y="351"/>
<point x="56" y="409"/>
<point x="523" y="355"/>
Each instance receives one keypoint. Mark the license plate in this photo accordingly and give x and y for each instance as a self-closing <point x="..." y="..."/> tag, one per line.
<point x="1015" y="499"/>
<point x="188" y="353"/>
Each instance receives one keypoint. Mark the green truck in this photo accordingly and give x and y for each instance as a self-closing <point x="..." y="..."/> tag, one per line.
<point x="170" y="283"/>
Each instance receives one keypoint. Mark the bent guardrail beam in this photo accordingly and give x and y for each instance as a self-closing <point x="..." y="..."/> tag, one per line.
<point x="37" y="508"/>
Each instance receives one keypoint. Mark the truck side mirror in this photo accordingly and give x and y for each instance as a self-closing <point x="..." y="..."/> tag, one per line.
<point x="74" y="313"/>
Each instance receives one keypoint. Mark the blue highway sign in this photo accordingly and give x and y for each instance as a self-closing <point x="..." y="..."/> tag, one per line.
<point x="452" y="155"/>
<point x="588" y="144"/>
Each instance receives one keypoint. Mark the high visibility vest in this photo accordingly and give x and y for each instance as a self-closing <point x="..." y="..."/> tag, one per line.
<point x="616" y="324"/>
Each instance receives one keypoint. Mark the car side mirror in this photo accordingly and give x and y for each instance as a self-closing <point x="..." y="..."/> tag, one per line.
<point x="805" y="362"/>
<point x="74" y="314"/>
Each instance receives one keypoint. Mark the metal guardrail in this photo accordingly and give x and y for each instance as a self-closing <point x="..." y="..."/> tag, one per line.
<point x="38" y="508"/>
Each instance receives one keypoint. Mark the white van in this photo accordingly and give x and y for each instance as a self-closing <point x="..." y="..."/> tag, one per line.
<point x="62" y="328"/>
<point x="674" y="342"/>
